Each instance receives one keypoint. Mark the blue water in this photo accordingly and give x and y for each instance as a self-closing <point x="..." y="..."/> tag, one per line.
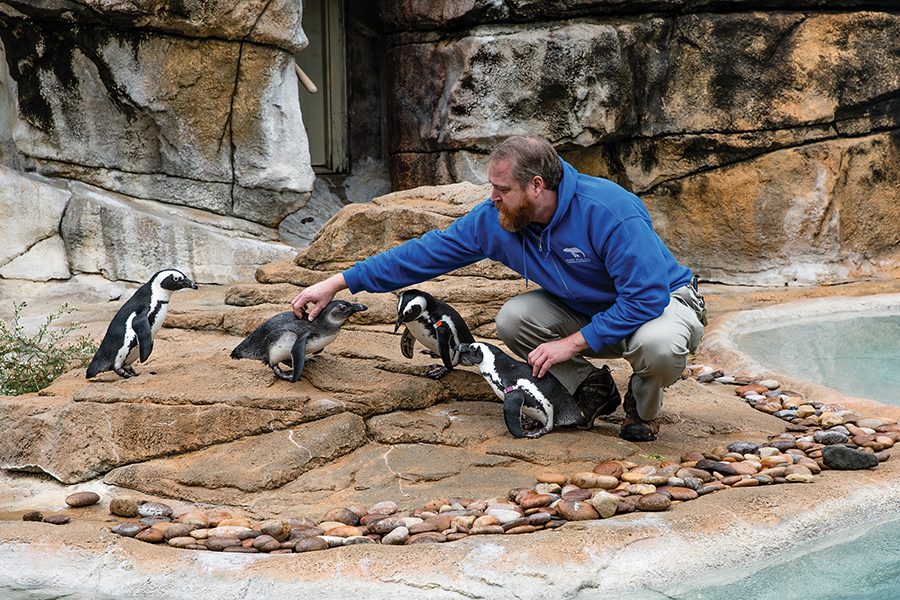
<point x="859" y="356"/>
<point x="867" y="568"/>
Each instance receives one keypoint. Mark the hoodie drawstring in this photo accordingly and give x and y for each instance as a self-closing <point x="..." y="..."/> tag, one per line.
<point x="524" y="263"/>
<point x="541" y="248"/>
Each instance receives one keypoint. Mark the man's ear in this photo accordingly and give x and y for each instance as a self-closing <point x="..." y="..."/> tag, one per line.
<point x="537" y="184"/>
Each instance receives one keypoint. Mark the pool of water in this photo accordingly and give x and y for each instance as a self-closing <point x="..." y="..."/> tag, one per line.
<point x="865" y="568"/>
<point x="855" y="354"/>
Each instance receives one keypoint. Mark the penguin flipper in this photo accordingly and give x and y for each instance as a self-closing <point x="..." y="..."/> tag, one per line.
<point x="514" y="400"/>
<point x="443" y="334"/>
<point x="512" y="411"/>
<point x="298" y="357"/>
<point x="407" y="341"/>
<point x="145" y="337"/>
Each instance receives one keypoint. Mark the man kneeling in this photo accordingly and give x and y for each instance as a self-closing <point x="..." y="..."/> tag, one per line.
<point x="610" y="287"/>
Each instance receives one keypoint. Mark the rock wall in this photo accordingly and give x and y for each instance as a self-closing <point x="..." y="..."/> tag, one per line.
<point x="52" y="229"/>
<point x="181" y="106"/>
<point x="762" y="142"/>
<point x="761" y="134"/>
<point x="183" y="118"/>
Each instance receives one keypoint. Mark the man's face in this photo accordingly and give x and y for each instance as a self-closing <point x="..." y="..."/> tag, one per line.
<point x="513" y="201"/>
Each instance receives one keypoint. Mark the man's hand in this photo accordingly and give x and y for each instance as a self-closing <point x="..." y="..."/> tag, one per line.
<point x="319" y="295"/>
<point x="552" y="353"/>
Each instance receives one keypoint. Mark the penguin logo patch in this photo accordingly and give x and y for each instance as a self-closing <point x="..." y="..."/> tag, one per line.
<point x="577" y="255"/>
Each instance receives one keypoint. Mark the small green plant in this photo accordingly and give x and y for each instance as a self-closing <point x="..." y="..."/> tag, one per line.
<point x="29" y="363"/>
<point x="656" y="457"/>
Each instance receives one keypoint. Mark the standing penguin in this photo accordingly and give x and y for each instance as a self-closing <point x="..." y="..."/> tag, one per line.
<point x="285" y="337"/>
<point x="436" y="325"/>
<point x="132" y="329"/>
<point x="544" y="400"/>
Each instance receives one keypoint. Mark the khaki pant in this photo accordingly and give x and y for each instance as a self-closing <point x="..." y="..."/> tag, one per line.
<point x="657" y="350"/>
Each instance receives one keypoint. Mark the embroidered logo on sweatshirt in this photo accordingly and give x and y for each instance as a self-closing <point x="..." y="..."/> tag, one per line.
<point x="577" y="255"/>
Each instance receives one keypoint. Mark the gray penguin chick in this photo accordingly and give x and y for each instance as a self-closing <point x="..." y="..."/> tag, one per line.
<point x="285" y="337"/>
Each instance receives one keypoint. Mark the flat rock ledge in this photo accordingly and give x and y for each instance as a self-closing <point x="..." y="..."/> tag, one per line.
<point x="367" y="428"/>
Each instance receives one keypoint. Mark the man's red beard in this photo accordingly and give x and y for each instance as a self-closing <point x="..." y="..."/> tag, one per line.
<point x="513" y="220"/>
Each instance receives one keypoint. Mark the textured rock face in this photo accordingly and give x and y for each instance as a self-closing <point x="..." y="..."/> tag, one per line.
<point x="253" y="464"/>
<point x="52" y="229"/>
<point x="765" y="128"/>
<point x="417" y="15"/>
<point x="30" y="215"/>
<point x="358" y="231"/>
<point x="128" y="239"/>
<point x="831" y="220"/>
<point x="751" y="136"/>
<point x="262" y="21"/>
<point x="211" y="122"/>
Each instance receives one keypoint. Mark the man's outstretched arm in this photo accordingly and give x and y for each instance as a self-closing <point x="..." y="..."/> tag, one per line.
<point x="319" y="295"/>
<point x="419" y="259"/>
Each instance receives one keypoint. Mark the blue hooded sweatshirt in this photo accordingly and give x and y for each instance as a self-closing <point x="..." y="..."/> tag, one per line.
<point x="599" y="255"/>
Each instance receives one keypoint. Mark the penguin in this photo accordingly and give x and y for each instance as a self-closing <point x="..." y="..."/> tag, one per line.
<point x="132" y="330"/>
<point x="436" y="325"/>
<point x="544" y="400"/>
<point x="287" y="338"/>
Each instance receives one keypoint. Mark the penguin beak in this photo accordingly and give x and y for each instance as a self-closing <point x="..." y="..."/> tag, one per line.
<point x="467" y="355"/>
<point x="398" y="324"/>
<point x="189" y="283"/>
<point x="463" y="350"/>
<point x="359" y="307"/>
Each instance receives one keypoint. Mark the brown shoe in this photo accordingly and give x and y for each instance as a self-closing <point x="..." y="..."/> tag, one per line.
<point x="635" y="429"/>
<point x="597" y="395"/>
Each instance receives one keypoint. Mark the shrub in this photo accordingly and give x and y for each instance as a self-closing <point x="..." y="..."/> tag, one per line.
<point x="30" y="363"/>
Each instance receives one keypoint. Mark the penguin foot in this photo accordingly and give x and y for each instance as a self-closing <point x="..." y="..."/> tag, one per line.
<point x="129" y="369"/>
<point x="124" y="373"/>
<point x="536" y="433"/>
<point x="529" y="423"/>
<point x="281" y="374"/>
<point x="436" y="372"/>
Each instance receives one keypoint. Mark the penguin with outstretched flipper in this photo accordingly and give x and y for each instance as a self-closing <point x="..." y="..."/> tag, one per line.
<point x="436" y="325"/>
<point x="544" y="400"/>
<point x="130" y="333"/>
<point x="288" y="338"/>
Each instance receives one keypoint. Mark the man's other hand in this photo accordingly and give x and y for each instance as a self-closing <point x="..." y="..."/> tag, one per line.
<point x="553" y="353"/>
<point x="319" y="295"/>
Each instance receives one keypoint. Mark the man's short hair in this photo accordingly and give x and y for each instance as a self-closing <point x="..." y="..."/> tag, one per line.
<point x="529" y="156"/>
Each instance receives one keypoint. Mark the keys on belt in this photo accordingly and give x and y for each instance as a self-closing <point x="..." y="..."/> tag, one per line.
<point x="701" y="303"/>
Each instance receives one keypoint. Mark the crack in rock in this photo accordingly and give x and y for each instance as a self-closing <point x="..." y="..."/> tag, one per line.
<point x="399" y="476"/>
<point x="291" y="440"/>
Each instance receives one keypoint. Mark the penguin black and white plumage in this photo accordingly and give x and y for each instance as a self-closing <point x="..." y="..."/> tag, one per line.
<point x="130" y="333"/>
<point x="286" y="337"/>
<point x="436" y="325"/>
<point x="544" y="400"/>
